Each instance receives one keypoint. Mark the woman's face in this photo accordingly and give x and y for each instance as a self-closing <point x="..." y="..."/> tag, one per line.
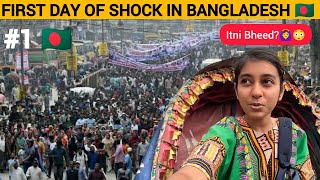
<point x="258" y="89"/>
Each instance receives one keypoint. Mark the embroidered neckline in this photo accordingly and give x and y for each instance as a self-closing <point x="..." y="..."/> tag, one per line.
<point x="244" y="123"/>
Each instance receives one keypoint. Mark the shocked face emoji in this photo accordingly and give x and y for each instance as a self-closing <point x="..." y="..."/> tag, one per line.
<point x="298" y="34"/>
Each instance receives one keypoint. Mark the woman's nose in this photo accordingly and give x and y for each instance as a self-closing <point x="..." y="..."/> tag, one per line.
<point x="256" y="91"/>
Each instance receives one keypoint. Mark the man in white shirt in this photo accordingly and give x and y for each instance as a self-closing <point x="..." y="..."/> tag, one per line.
<point x="80" y="121"/>
<point x="82" y="158"/>
<point x="17" y="172"/>
<point x="87" y="147"/>
<point x="52" y="145"/>
<point x="34" y="172"/>
<point x="133" y="82"/>
<point x="2" y="87"/>
<point x="134" y="126"/>
<point x="14" y="93"/>
<point x="64" y="73"/>
<point x="2" y="101"/>
<point x="2" y="150"/>
<point x="10" y="165"/>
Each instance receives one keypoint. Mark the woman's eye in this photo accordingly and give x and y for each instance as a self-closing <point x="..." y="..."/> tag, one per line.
<point x="268" y="81"/>
<point x="245" y="81"/>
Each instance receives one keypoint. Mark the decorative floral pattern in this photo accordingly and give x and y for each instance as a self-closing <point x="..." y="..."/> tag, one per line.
<point x="208" y="156"/>
<point x="243" y="154"/>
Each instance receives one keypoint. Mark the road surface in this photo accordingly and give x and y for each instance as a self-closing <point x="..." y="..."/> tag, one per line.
<point x="110" y="176"/>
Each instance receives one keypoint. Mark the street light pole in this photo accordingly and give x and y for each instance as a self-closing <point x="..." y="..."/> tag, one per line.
<point x="102" y="30"/>
<point x="71" y="49"/>
<point x="121" y="40"/>
<point x="143" y="31"/>
<point x="102" y="27"/>
<point x="22" y="93"/>
<point x="120" y="26"/>
<point x="70" y="26"/>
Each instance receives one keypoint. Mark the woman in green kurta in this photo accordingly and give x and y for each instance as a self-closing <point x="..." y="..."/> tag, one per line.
<point x="246" y="147"/>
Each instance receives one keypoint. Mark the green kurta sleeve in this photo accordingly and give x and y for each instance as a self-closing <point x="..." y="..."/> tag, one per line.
<point x="303" y="161"/>
<point x="214" y="154"/>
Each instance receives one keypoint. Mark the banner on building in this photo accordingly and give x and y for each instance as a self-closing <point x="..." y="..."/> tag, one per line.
<point x="25" y="61"/>
<point x="284" y="57"/>
<point x="72" y="64"/>
<point x="25" y="80"/>
<point x="103" y="51"/>
<point x="176" y="65"/>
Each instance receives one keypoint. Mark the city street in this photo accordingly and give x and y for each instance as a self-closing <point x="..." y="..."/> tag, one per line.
<point x="110" y="176"/>
<point x="54" y="97"/>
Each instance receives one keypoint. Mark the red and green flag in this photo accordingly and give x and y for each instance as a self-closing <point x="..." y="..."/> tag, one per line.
<point x="56" y="39"/>
<point x="304" y="10"/>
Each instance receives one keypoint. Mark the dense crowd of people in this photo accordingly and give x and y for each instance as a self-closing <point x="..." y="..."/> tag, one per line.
<point x="87" y="134"/>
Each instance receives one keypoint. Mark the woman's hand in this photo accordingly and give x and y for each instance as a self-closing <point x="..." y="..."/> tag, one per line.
<point x="188" y="173"/>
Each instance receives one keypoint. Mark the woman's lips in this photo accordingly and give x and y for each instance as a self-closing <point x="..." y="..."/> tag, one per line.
<point x="256" y="106"/>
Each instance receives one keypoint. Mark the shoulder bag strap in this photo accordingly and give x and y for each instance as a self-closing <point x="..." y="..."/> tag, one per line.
<point x="284" y="147"/>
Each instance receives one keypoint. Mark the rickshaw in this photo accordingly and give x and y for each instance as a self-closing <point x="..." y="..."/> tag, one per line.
<point x="203" y="100"/>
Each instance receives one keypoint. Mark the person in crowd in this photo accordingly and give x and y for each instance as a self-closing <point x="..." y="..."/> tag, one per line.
<point x="72" y="173"/>
<point x="92" y="158"/>
<point x="37" y="151"/>
<point x="142" y="149"/>
<point x="2" y="152"/>
<point x="133" y="142"/>
<point x="34" y="172"/>
<point x="17" y="172"/>
<point x="20" y="141"/>
<point x="10" y="162"/>
<point x="60" y="157"/>
<point x="123" y="173"/>
<point x="102" y="159"/>
<point x="72" y="147"/>
<point x="128" y="162"/>
<point x="88" y="144"/>
<point x="52" y="144"/>
<point x="108" y="142"/>
<point x="118" y="156"/>
<point x="97" y="174"/>
<point x="46" y="101"/>
<point x="2" y="101"/>
<point x="82" y="158"/>
<point x="64" y="139"/>
<point x="29" y="155"/>
<point x="82" y="171"/>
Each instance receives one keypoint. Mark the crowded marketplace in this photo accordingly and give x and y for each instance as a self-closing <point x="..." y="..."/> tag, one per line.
<point x="90" y="112"/>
